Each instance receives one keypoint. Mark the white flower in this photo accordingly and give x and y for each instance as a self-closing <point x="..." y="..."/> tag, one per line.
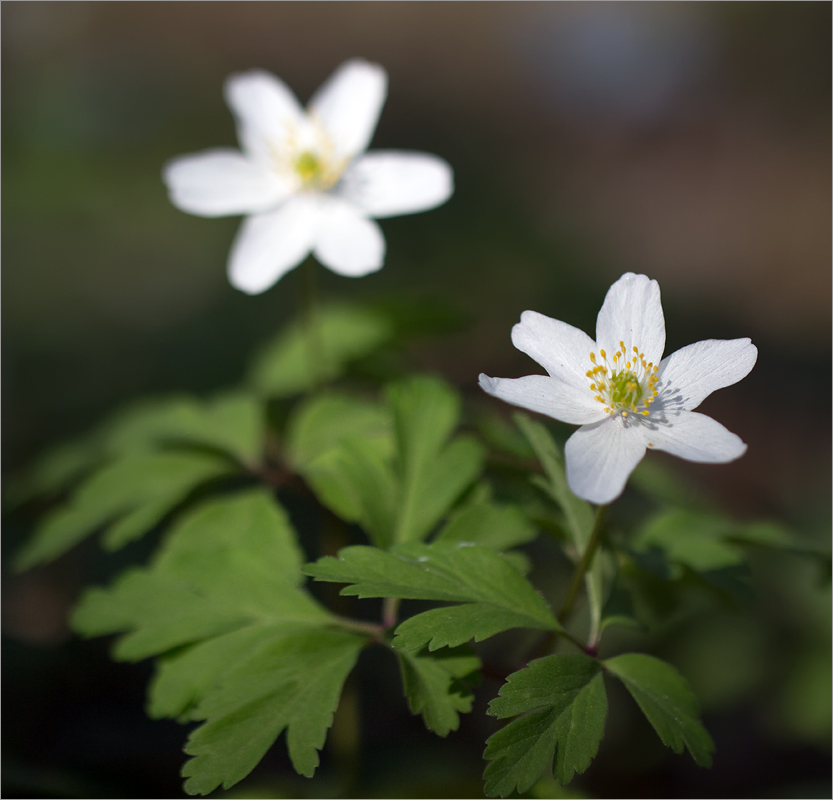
<point x="618" y="390"/>
<point x="304" y="179"/>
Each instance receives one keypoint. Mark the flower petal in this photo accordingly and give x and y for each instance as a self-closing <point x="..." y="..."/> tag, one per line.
<point x="690" y="375"/>
<point x="545" y="395"/>
<point x="388" y="183"/>
<point x="601" y="457"/>
<point x="349" y="103"/>
<point x="561" y="349"/>
<point x="217" y="183"/>
<point x="696" y="437"/>
<point x="266" y="111"/>
<point x="632" y="312"/>
<point x="347" y="242"/>
<point x="269" y="245"/>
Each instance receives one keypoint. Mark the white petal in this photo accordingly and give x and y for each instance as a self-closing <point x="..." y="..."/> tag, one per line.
<point x="267" y="112"/>
<point x="349" y="103"/>
<point x="632" y="312"/>
<point x="545" y="395"/>
<point x="561" y="349"/>
<point x="388" y="183"/>
<point x="695" y="437"/>
<point x="347" y="242"/>
<point x="690" y="375"/>
<point x="601" y="457"/>
<point x="269" y="245"/>
<point x="217" y="183"/>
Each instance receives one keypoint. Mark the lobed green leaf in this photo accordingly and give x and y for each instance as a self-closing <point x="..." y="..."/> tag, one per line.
<point x="341" y="334"/>
<point x="293" y="682"/>
<point x="667" y="701"/>
<point x="435" y="686"/>
<point x="132" y="495"/>
<point x="564" y="704"/>
<point x="496" y="595"/>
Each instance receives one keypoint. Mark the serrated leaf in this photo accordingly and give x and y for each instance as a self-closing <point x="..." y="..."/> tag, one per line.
<point x="690" y="538"/>
<point x="667" y="701"/>
<point x="182" y="678"/>
<point x="294" y="683"/>
<point x="496" y="526"/>
<point x="497" y="597"/>
<point x="578" y="514"/>
<point x="231" y="562"/>
<point x="433" y="686"/>
<point x="565" y="705"/>
<point x="342" y="334"/>
<point x="133" y="494"/>
<point x="320" y="424"/>
<point x="232" y="423"/>
<point x="433" y="474"/>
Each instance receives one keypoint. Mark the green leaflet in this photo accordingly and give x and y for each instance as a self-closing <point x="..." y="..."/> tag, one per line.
<point x="231" y="562"/>
<point x="132" y="495"/>
<point x="565" y="705"/>
<point x="432" y="472"/>
<point x="294" y="682"/>
<point x="667" y="701"/>
<point x="493" y="525"/>
<point x="258" y="653"/>
<point x="495" y="594"/>
<point x="391" y="469"/>
<point x="434" y="685"/>
<point x="232" y="423"/>
<point x="342" y="334"/>
<point x="578" y="514"/>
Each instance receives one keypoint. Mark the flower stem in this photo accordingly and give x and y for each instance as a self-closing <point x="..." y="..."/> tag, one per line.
<point x="312" y="334"/>
<point x="584" y="565"/>
<point x="390" y="608"/>
<point x="370" y="629"/>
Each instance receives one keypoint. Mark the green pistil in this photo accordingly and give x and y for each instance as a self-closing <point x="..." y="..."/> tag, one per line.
<point x="625" y="389"/>
<point x="308" y="166"/>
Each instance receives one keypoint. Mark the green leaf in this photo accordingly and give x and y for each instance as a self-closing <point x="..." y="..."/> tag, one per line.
<point x="690" y="538"/>
<point x="232" y="562"/>
<point x="496" y="596"/>
<point x="578" y="514"/>
<point x="342" y="334"/>
<point x="498" y="527"/>
<point x="667" y="701"/>
<point x="396" y="487"/>
<point x="433" y="474"/>
<point x="293" y="683"/>
<point x="133" y="494"/>
<point x="434" y="685"/>
<point x="232" y="423"/>
<point x="323" y="422"/>
<point x="182" y="678"/>
<point x="564" y="702"/>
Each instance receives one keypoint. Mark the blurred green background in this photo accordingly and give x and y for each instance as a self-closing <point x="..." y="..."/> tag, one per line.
<point x="688" y="141"/>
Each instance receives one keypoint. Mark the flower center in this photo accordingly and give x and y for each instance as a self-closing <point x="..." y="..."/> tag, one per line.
<point x="307" y="157"/>
<point x="308" y="166"/>
<point x="625" y="383"/>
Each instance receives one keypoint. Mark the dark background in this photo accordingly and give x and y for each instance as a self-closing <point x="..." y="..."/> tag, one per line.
<point x="688" y="141"/>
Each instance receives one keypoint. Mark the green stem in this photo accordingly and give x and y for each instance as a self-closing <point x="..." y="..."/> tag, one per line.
<point x="375" y="632"/>
<point x="315" y="350"/>
<point x="584" y="565"/>
<point x="390" y="608"/>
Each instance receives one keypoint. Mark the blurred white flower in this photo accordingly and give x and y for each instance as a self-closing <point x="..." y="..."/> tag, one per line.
<point x="618" y="390"/>
<point x="304" y="179"/>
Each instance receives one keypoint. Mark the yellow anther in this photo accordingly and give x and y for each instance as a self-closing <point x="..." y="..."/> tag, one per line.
<point x="646" y="412"/>
<point x="624" y="413"/>
<point x="589" y="373"/>
<point x="593" y="357"/>
<point x="598" y="398"/>
<point x="602" y="353"/>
